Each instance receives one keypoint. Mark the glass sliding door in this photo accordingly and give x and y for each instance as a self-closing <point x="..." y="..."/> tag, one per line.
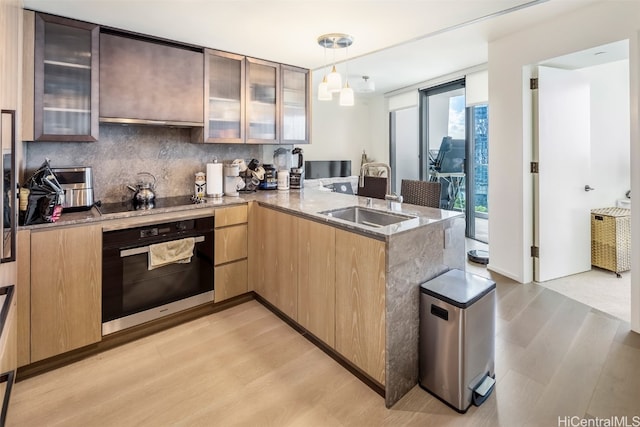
<point x="454" y="152"/>
<point x="443" y="141"/>
<point x="477" y="182"/>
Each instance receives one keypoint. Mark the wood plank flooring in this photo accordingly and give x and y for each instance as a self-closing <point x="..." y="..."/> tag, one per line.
<point x="555" y="357"/>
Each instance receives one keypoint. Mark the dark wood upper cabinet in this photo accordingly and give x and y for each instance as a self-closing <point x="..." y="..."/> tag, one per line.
<point x="150" y="82"/>
<point x="224" y="99"/>
<point x="262" y="102"/>
<point x="65" y="65"/>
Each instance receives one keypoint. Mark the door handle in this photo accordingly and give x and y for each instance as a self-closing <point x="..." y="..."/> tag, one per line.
<point x="145" y="249"/>
<point x="588" y="188"/>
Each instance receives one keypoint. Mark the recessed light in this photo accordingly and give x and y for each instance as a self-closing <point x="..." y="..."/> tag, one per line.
<point x="599" y="53"/>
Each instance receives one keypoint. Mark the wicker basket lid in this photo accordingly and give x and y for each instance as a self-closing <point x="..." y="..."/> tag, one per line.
<point x="612" y="211"/>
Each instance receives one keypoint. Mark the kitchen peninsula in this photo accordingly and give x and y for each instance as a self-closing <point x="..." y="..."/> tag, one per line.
<point x="351" y="288"/>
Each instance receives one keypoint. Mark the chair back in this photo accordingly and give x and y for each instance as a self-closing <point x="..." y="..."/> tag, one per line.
<point x="423" y="193"/>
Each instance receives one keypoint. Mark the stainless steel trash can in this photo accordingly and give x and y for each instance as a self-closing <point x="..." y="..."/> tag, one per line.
<point x="457" y="338"/>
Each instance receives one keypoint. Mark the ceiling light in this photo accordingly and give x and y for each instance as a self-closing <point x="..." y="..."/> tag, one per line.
<point x="333" y="81"/>
<point x="367" y="85"/>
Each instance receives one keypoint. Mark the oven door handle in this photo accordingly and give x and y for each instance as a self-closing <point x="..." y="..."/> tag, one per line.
<point x="145" y="249"/>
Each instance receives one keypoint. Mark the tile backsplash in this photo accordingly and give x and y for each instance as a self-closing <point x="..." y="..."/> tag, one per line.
<point x="123" y="151"/>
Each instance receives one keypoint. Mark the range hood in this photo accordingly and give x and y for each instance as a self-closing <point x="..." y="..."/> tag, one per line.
<point x="149" y="122"/>
<point x="150" y="82"/>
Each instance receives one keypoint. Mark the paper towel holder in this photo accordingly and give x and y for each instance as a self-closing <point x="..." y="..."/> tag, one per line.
<point x="214" y="179"/>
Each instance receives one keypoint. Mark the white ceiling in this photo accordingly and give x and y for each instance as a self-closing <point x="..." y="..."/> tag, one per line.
<point x="398" y="43"/>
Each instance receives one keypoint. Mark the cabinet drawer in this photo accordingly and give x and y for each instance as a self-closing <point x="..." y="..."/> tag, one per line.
<point x="230" y="280"/>
<point x="230" y="244"/>
<point x="231" y="216"/>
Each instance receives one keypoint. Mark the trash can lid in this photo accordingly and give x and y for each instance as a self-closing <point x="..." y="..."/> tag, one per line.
<point x="458" y="288"/>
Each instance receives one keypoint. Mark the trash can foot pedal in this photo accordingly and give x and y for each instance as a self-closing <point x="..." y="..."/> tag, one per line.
<point x="483" y="390"/>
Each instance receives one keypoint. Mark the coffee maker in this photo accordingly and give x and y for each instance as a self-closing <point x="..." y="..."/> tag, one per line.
<point x="296" y="179"/>
<point x="232" y="180"/>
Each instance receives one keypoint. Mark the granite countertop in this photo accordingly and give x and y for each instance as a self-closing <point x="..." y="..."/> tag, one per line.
<point x="306" y="203"/>
<point x="310" y="203"/>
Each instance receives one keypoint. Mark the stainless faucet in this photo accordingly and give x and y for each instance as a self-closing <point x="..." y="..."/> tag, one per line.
<point x="391" y="197"/>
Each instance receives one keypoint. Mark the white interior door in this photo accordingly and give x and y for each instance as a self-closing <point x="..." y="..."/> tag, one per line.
<point x="563" y="150"/>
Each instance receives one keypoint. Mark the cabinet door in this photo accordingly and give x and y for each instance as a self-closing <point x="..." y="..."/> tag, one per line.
<point x="278" y="270"/>
<point x="8" y="338"/>
<point x="24" y="297"/>
<point x="316" y="279"/>
<point x="360" y="302"/>
<point x="224" y="88"/>
<point x="66" y="274"/>
<point x="295" y="105"/>
<point x="65" y="80"/>
<point x="263" y="102"/>
<point x="10" y="19"/>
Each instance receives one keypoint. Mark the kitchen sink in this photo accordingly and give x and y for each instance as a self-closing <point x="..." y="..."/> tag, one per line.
<point x="367" y="216"/>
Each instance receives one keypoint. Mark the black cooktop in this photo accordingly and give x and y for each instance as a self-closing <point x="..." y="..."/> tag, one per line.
<point x="163" y="202"/>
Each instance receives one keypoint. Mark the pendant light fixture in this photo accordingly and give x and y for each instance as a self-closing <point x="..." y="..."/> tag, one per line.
<point x="346" y="94"/>
<point x="333" y="80"/>
<point x="323" y="88"/>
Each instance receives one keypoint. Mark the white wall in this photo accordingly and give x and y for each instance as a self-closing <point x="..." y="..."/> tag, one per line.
<point x="407" y="146"/>
<point x="341" y="133"/>
<point x="610" y="169"/>
<point x="510" y="222"/>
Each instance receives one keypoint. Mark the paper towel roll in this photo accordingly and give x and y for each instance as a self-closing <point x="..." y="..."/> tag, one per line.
<point x="214" y="179"/>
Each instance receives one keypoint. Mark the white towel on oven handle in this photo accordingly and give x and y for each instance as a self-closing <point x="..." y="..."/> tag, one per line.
<point x="174" y="251"/>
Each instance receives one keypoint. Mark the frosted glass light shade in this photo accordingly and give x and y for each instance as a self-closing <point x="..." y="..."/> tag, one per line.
<point x="323" y="91"/>
<point x="334" y="80"/>
<point x="346" y="96"/>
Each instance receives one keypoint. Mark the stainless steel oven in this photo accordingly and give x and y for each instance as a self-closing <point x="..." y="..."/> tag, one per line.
<point x="132" y="293"/>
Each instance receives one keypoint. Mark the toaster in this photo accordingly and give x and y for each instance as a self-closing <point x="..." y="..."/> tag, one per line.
<point x="77" y="183"/>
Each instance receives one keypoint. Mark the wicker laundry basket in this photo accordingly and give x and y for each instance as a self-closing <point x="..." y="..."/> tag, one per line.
<point x="611" y="239"/>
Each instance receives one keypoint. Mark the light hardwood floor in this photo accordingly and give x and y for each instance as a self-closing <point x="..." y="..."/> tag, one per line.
<point x="244" y="366"/>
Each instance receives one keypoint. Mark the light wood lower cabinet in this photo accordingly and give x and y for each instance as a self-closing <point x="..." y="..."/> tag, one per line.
<point x="277" y="266"/>
<point x="360" y="302"/>
<point x="23" y="245"/>
<point x="66" y="274"/>
<point x="8" y="339"/>
<point x="331" y="282"/>
<point x="316" y="279"/>
<point x="230" y="255"/>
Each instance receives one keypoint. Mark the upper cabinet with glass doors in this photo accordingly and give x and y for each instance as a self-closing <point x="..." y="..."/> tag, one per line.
<point x="295" y="105"/>
<point x="263" y="101"/>
<point x="65" y="80"/>
<point x="225" y="104"/>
